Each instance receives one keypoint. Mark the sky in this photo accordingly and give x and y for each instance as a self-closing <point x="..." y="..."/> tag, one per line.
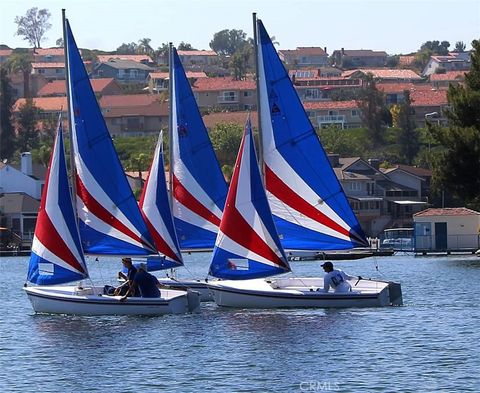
<point x="395" y="26"/>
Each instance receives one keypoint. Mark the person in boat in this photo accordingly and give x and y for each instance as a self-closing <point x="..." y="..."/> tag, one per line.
<point x="123" y="289"/>
<point x="146" y="283"/>
<point x="335" y="279"/>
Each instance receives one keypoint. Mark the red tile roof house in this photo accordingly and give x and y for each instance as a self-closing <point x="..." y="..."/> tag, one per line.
<point x="345" y="114"/>
<point x="198" y="57"/>
<point x="304" y="57"/>
<point x="311" y="85"/>
<point x="134" y="114"/>
<point x="449" y="77"/>
<point x="49" y="70"/>
<point x="144" y="59"/>
<point x="451" y="62"/>
<point x="101" y="86"/>
<point x="225" y="93"/>
<point x="48" y="55"/>
<point x="385" y="75"/>
<point x="5" y="54"/>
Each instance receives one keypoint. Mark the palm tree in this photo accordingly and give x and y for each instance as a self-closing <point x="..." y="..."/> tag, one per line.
<point x="144" y="46"/>
<point x="21" y="62"/>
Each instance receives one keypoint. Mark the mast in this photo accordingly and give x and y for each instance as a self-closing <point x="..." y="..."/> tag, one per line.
<point x="257" y="84"/>
<point x="170" y="123"/>
<point x="70" y="117"/>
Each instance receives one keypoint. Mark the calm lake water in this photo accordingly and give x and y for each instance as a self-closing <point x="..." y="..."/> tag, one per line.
<point x="431" y="344"/>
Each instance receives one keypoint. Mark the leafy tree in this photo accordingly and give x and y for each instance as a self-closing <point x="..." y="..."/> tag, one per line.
<point x="226" y="139"/>
<point x="7" y="132"/>
<point x="227" y="42"/>
<point x="33" y="25"/>
<point x="407" y="136"/>
<point x="373" y="111"/>
<point x="144" y="46"/>
<point x="457" y="168"/>
<point x="185" y="46"/>
<point x="127" y="49"/>
<point x="335" y="140"/>
<point x="240" y="62"/>
<point x="392" y="61"/>
<point x="459" y="47"/>
<point x="21" y="62"/>
<point x="59" y="42"/>
<point x="27" y="126"/>
<point x="139" y="163"/>
<point x="437" y="47"/>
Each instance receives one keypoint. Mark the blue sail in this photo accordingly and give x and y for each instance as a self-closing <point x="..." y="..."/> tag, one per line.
<point x="155" y="208"/>
<point x="310" y="208"/>
<point x="247" y="244"/>
<point x="199" y="188"/>
<point x="110" y="220"/>
<point x="57" y="255"/>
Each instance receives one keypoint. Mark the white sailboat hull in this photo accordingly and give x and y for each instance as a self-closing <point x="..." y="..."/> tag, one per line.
<point x="194" y="285"/>
<point x="302" y="293"/>
<point x="92" y="301"/>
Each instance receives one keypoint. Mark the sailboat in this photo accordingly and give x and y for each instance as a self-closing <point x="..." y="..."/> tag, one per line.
<point x="155" y="208"/>
<point x="198" y="187"/>
<point x="309" y="207"/>
<point x="248" y="249"/>
<point x="109" y="219"/>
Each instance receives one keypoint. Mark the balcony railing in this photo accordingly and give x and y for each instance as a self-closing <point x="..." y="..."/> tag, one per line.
<point x="331" y="119"/>
<point x="227" y="99"/>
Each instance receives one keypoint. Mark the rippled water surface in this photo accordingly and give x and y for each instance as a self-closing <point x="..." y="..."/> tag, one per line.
<point x="431" y="344"/>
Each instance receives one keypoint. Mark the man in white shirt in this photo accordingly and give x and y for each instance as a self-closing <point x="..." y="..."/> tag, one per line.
<point x="335" y="279"/>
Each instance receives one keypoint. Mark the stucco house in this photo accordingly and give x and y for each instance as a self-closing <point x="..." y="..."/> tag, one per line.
<point x="447" y="230"/>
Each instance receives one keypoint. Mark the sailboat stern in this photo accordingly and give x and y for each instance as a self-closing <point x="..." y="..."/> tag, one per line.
<point x="395" y="293"/>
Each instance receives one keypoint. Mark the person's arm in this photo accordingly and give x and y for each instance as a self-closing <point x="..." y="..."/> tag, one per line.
<point x="326" y="284"/>
<point x="131" y="290"/>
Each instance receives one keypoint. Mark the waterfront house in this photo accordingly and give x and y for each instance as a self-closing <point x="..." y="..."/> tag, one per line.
<point x="28" y="178"/>
<point x="447" y="230"/>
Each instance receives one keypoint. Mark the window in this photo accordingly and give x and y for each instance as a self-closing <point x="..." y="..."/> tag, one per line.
<point x="247" y="93"/>
<point x="229" y="96"/>
<point x="312" y="94"/>
<point x="354" y="186"/>
<point x="354" y="113"/>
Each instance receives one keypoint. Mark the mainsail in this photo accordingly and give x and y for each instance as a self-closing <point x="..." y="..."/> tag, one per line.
<point x="110" y="221"/>
<point x="155" y="208"/>
<point x="247" y="244"/>
<point x="310" y="208"/>
<point x="199" y="188"/>
<point x="57" y="255"/>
